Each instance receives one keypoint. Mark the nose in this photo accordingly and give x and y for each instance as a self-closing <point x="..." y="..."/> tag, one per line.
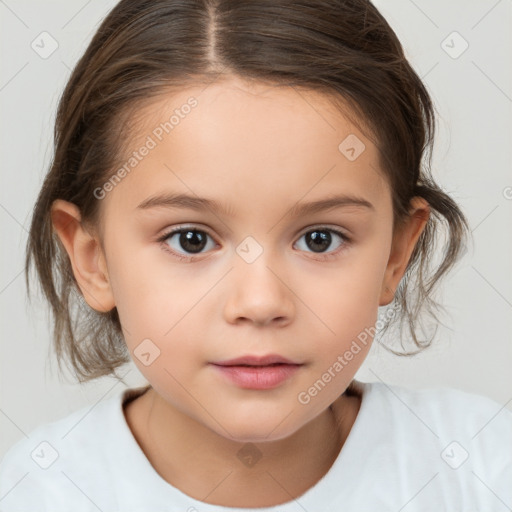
<point x="259" y="294"/>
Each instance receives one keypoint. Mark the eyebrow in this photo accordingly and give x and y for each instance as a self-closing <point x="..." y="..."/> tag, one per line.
<point x="201" y="204"/>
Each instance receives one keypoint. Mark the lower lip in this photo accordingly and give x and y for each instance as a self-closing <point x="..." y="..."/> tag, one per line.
<point x="258" y="377"/>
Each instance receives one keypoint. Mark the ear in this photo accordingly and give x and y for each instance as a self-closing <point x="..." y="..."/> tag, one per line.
<point x="404" y="241"/>
<point x="86" y="255"/>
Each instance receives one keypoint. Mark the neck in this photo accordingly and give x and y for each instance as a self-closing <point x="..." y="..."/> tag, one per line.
<point x="211" y="468"/>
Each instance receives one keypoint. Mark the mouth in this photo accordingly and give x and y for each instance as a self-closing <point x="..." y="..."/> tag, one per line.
<point x="256" y="372"/>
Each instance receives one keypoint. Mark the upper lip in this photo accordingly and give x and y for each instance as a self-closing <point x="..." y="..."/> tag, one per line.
<point x="253" y="360"/>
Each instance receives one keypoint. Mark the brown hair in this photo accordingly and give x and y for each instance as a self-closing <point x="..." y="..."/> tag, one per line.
<point x="343" y="48"/>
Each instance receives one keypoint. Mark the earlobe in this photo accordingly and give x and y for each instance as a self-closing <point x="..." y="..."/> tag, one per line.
<point x="85" y="254"/>
<point x="404" y="241"/>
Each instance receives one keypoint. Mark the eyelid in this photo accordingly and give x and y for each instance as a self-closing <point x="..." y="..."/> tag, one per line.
<point x="180" y="227"/>
<point x="200" y="227"/>
<point x="319" y="226"/>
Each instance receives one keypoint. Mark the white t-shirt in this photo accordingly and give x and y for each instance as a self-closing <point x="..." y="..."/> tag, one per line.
<point x="408" y="450"/>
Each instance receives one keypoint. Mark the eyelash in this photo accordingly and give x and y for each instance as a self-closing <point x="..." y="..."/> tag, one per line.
<point x="327" y="256"/>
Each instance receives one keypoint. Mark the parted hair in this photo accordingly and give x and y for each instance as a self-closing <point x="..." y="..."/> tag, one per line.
<point x="143" y="48"/>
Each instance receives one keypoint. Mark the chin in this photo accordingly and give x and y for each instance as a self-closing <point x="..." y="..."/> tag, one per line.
<point x="257" y="430"/>
<point x="256" y="437"/>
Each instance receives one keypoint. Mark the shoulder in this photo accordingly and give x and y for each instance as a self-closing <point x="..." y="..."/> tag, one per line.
<point x="448" y="409"/>
<point x="40" y="471"/>
<point x="463" y="439"/>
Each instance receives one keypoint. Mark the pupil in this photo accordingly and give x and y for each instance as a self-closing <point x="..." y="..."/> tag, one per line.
<point x="321" y="240"/>
<point x="192" y="241"/>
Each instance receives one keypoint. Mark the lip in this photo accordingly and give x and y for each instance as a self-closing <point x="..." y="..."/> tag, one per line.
<point x="257" y="372"/>
<point x="258" y="377"/>
<point x="253" y="360"/>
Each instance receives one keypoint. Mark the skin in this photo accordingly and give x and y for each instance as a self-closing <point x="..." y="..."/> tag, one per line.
<point x="259" y="150"/>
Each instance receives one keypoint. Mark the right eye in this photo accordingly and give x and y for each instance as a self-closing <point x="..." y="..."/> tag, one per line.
<point x="190" y="240"/>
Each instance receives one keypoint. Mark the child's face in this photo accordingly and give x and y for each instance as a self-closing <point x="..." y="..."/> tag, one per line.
<point x="256" y="285"/>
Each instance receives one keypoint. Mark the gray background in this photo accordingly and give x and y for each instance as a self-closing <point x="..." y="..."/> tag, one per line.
<point x="472" y="161"/>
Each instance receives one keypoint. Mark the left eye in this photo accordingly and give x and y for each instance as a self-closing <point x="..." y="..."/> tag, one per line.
<point x="320" y="239"/>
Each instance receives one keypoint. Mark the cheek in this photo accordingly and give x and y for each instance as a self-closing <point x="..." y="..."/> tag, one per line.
<point x="347" y="296"/>
<point x="144" y="300"/>
<point x="136" y="271"/>
<point x="346" y="300"/>
<point x="158" y="309"/>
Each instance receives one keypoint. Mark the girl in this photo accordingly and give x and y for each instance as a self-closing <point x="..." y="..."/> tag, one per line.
<point x="236" y="189"/>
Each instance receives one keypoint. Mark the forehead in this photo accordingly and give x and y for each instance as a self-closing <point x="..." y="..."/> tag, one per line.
<point x="234" y="140"/>
<point x="245" y="104"/>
